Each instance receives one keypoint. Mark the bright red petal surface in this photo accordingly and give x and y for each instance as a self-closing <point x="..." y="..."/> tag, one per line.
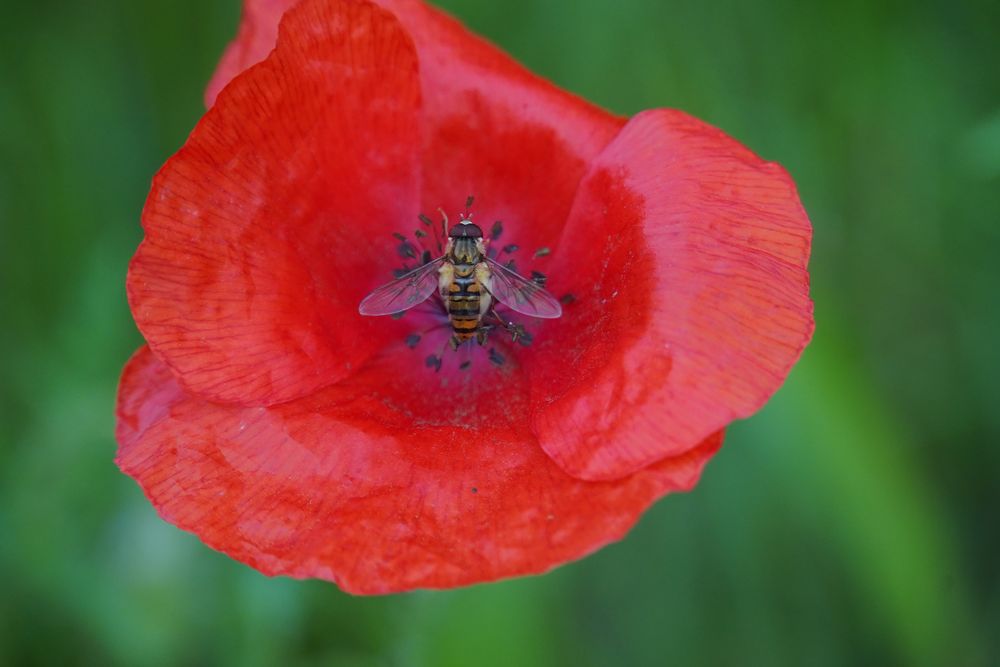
<point x="687" y="255"/>
<point x="491" y="127"/>
<point x="257" y="230"/>
<point x="495" y="130"/>
<point x="305" y="489"/>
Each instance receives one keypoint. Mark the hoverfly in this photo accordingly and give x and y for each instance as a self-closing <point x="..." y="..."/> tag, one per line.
<point x="469" y="283"/>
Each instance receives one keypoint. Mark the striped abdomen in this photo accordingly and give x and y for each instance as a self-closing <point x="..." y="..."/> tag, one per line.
<point x="463" y="297"/>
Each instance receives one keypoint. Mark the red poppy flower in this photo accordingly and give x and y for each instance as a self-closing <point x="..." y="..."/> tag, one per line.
<point x="271" y="419"/>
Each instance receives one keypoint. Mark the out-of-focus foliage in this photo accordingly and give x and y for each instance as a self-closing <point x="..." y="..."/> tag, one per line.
<point x="851" y="522"/>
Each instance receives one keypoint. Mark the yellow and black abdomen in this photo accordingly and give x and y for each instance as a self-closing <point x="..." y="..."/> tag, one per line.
<point x="464" y="302"/>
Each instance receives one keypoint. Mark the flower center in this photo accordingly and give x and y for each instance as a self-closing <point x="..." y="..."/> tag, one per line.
<point x="482" y="301"/>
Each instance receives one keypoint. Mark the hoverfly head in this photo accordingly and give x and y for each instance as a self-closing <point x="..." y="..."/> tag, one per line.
<point x="466" y="229"/>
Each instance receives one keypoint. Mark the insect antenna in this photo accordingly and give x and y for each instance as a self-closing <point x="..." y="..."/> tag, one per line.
<point x="468" y="205"/>
<point x="444" y="222"/>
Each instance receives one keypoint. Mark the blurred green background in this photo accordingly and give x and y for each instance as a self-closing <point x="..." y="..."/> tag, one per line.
<point x="851" y="522"/>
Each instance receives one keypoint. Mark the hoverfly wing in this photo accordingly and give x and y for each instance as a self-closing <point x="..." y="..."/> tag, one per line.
<point x="520" y="294"/>
<point x="404" y="293"/>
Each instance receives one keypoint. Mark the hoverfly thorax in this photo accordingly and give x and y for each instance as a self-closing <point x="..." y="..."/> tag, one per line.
<point x="465" y="243"/>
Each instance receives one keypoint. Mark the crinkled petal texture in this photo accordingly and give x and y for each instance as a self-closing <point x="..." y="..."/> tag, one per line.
<point x="695" y="298"/>
<point x="286" y="430"/>
<point x="491" y="127"/>
<point x="245" y="283"/>
<point x="305" y="490"/>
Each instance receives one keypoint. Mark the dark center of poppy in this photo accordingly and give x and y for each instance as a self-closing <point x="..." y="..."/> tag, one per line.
<point x="487" y="328"/>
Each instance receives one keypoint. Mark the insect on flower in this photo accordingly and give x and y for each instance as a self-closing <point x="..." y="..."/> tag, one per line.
<point x="470" y="283"/>
<point x="282" y="428"/>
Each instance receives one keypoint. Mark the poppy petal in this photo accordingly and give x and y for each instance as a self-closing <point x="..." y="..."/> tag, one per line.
<point x="259" y="231"/>
<point x="492" y="128"/>
<point x="688" y="255"/>
<point x="454" y="64"/>
<point x="297" y="490"/>
<point x="257" y="35"/>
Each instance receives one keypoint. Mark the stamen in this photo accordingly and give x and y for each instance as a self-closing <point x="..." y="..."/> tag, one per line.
<point x="406" y="250"/>
<point x="465" y="365"/>
<point x="538" y="277"/>
<point x="496" y="230"/>
<point x="567" y="299"/>
<point x="412" y="340"/>
<point x="510" y="248"/>
<point x="427" y="222"/>
<point x="496" y="358"/>
<point x="542" y="252"/>
<point x="433" y="361"/>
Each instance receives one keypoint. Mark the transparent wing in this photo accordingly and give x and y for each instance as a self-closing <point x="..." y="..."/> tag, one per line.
<point x="520" y="294"/>
<point x="403" y="293"/>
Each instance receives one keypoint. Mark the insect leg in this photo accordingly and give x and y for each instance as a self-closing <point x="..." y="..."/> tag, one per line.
<point x="482" y="333"/>
<point x="515" y="330"/>
<point x="499" y="320"/>
<point x="493" y="311"/>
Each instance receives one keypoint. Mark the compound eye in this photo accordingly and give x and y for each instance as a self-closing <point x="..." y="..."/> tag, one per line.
<point x="466" y="230"/>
